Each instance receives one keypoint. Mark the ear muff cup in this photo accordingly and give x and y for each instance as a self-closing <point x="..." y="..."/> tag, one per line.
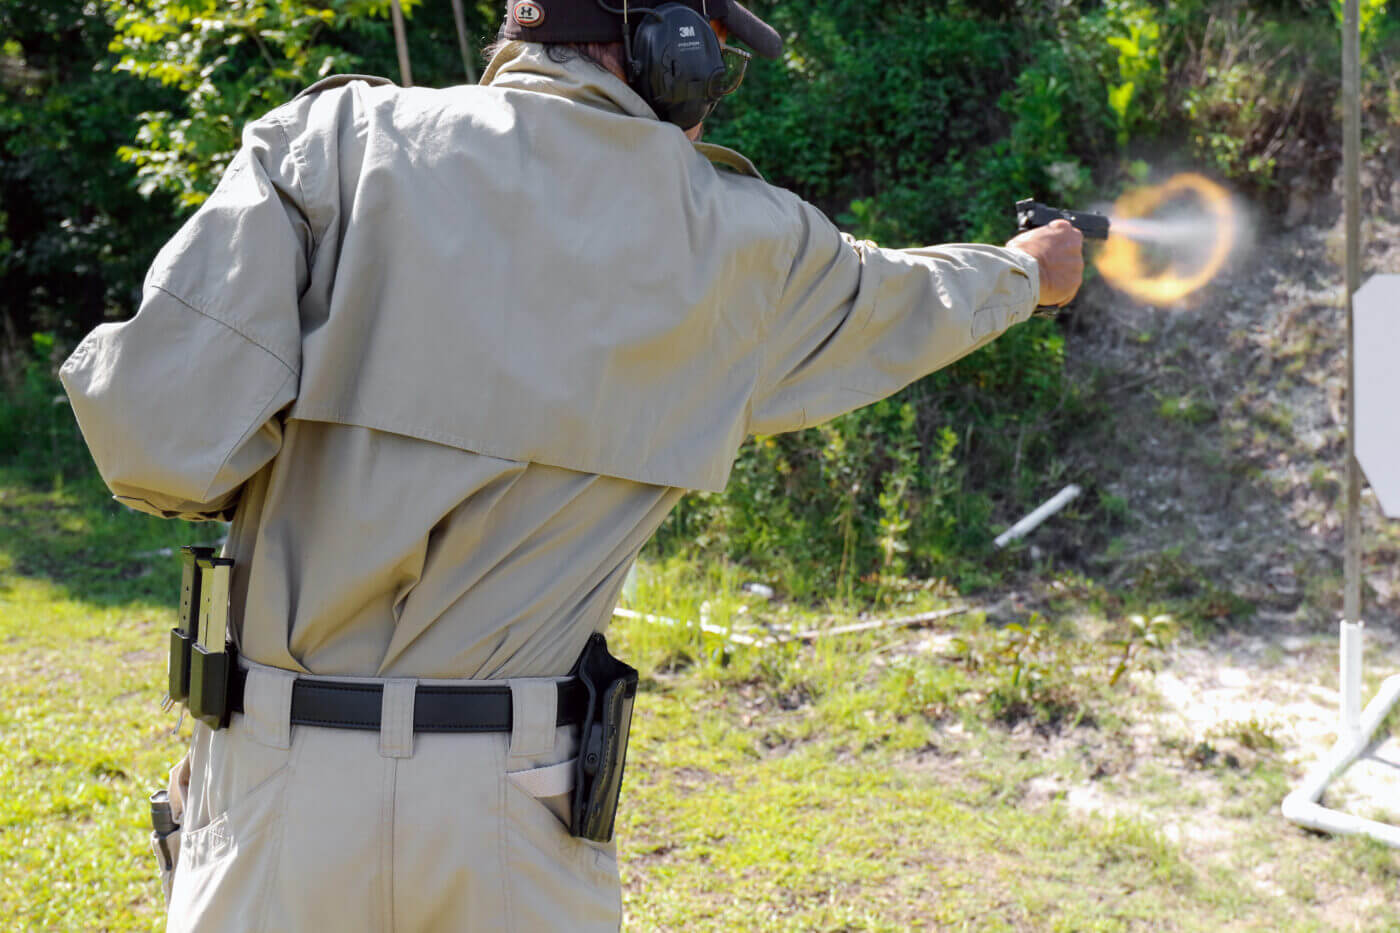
<point x="676" y="64"/>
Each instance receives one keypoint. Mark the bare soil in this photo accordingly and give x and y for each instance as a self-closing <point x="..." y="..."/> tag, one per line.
<point x="1227" y="440"/>
<point x="1219" y="477"/>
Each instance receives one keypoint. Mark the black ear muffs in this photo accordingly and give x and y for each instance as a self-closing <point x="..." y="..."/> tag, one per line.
<point x="675" y="63"/>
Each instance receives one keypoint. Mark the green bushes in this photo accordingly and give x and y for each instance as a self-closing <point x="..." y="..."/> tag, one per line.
<point x="116" y="119"/>
<point x="232" y="62"/>
<point x="912" y="123"/>
<point x="908" y="121"/>
<point x="923" y="122"/>
<point x="38" y="437"/>
<point x="75" y="237"/>
<point x="931" y="117"/>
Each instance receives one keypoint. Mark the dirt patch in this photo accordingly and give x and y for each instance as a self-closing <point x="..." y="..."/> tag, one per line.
<point x="1287" y="702"/>
<point x="1225" y="441"/>
<point x="1217" y="481"/>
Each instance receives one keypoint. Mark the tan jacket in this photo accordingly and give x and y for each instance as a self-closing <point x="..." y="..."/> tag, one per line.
<point x="450" y="356"/>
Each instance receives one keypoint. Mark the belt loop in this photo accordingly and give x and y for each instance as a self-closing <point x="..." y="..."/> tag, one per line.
<point x="267" y="706"/>
<point x="396" y="718"/>
<point x="533" y="714"/>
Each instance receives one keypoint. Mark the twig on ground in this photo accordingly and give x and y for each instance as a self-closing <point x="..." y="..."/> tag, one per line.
<point x="809" y="635"/>
<point x="922" y="618"/>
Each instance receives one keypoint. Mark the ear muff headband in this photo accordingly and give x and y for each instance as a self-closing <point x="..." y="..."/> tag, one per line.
<point x="674" y="61"/>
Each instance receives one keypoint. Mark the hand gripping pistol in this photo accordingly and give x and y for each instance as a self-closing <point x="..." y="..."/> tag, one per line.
<point x="1031" y="214"/>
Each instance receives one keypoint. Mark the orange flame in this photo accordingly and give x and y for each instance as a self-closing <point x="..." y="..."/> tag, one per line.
<point x="1172" y="270"/>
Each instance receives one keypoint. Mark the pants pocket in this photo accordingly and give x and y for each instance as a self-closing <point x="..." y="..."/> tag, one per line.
<point x="225" y="865"/>
<point x="557" y="881"/>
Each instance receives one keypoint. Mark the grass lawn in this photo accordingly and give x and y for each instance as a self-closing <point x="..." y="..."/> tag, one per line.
<point x="852" y="784"/>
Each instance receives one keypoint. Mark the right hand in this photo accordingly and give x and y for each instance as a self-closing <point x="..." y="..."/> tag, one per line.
<point x="1059" y="250"/>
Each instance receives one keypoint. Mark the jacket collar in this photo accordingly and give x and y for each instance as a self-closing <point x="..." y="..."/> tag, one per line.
<point x="525" y="66"/>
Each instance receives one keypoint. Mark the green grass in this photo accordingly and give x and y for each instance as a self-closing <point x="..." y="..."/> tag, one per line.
<point x="724" y="832"/>
<point x="848" y="784"/>
<point x="85" y="742"/>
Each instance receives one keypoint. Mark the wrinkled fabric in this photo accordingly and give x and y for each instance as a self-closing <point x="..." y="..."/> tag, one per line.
<point x="448" y="358"/>
<point x="302" y="828"/>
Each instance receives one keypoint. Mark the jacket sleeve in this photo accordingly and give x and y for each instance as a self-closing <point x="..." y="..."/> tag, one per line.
<point x="179" y="404"/>
<point x="856" y="323"/>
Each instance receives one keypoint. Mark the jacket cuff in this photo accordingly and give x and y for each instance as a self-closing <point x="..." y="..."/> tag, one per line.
<point x="1028" y="264"/>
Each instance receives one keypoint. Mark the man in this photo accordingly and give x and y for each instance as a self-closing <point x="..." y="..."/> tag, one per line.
<point x="447" y="358"/>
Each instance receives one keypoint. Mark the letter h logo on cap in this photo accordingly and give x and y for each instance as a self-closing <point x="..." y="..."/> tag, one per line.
<point x="527" y="13"/>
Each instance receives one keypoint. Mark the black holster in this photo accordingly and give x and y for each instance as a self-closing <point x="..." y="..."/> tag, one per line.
<point x="612" y="689"/>
<point x="211" y="677"/>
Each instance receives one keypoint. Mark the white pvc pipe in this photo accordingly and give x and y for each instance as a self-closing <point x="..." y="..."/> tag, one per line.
<point x="1301" y="806"/>
<point x="1316" y="816"/>
<point x="705" y="626"/>
<point x="1349" y="680"/>
<point x="1032" y="521"/>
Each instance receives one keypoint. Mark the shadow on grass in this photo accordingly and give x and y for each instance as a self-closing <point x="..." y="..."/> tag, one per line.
<point x="90" y="547"/>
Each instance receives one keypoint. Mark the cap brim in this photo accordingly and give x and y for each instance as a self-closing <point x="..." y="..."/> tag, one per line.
<point x="753" y="32"/>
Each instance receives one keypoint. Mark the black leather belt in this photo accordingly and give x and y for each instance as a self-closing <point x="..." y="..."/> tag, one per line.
<point x="338" y="705"/>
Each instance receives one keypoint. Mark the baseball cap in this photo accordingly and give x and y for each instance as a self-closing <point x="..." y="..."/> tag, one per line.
<point x="588" y="21"/>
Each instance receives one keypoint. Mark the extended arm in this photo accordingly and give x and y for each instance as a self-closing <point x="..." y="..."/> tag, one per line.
<point x="856" y="323"/>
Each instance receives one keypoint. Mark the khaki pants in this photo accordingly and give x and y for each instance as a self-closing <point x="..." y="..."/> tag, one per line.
<point x="300" y="828"/>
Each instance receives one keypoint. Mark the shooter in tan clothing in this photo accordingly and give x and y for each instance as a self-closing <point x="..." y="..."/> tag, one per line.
<point x="447" y="358"/>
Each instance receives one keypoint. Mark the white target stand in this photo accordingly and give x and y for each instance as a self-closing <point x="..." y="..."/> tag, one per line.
<point x="1376" y="361"/>
<point x="1356" y="731"/>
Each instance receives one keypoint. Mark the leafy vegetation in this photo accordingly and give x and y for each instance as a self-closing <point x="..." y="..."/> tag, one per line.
<point x="75" y="235"/>
<point x="909" y="122"/>
<point x="233" y="62"/>
<point x="954" y="752"/>
<point x="116" y="119"/>
<point x="917" y="123"/>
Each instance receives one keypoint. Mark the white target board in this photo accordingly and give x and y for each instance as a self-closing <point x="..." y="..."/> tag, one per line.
<point x="1376" y="356"/>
